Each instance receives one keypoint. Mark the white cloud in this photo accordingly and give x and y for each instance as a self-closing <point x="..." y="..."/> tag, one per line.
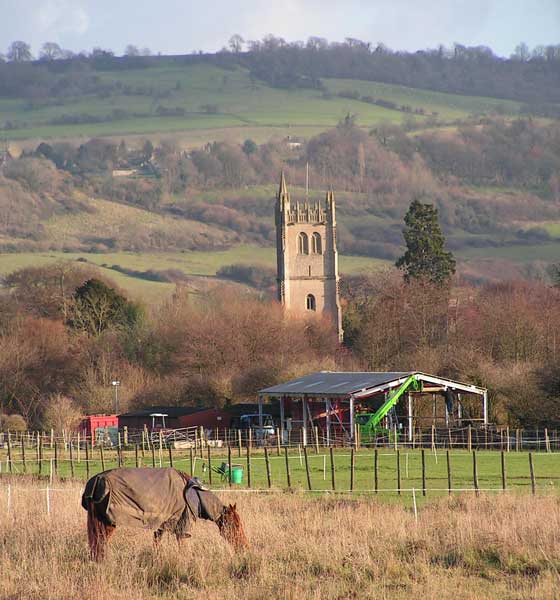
<point x="60" y="17"/>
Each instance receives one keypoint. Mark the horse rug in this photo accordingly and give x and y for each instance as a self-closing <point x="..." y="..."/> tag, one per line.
<point x="150" y="498"/>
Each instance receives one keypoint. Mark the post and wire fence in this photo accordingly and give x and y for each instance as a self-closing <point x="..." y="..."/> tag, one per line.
<point x="430" y="462"/>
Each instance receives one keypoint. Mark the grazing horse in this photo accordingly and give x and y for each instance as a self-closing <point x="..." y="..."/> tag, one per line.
<point x="157" y="499"/>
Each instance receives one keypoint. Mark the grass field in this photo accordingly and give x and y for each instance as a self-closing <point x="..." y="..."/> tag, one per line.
<point x="194" y="263"/>
<point x="241" y="103"/>
<point x="546" y="469"/>
<point x="322" y="548"/>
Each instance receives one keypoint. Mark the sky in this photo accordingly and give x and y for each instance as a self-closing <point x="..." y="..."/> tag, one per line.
<point x="183" y="26"/>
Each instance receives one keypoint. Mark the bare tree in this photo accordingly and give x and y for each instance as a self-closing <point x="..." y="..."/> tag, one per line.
<point x="236" y="43"/>
<point x="131" y="50"/>
<point x="51" y="51"/>
<point x="19" y="52"/>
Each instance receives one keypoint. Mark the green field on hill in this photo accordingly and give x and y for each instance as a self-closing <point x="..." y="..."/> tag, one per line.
<point x="215" y="98"/>
<point x="202" y="265"/>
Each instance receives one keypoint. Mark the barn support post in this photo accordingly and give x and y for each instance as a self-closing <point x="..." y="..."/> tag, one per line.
<point x="485" y="407"/>
<point x="410" y="425"/>
<point x="282" y="417"/>
<point x="352" y="408"/>
<point x="260" y="411"/>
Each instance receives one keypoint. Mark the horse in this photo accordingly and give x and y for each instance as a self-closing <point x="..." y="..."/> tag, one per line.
<point x="158" y="499"/>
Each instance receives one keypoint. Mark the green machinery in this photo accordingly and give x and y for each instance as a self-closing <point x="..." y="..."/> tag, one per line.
<point x="370" y="423"/>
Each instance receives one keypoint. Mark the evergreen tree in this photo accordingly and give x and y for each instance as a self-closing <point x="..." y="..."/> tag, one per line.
<point x="425" y="257"/>
<point x="97" y="307"/>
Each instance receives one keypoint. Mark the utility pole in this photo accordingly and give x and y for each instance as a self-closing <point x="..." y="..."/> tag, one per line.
<point x="115" y="383"/>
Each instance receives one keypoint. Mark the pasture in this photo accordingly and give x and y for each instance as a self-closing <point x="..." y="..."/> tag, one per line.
<point x="331" y="547"/>
<point x="196" y="264"/>
<point x="236" y="101"/>
<point x="399" y="476"/>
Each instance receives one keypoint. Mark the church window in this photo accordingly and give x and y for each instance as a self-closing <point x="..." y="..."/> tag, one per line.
<point x="310" y="302"/>
<point x="303" y="244"/>
<point x="316" y="244"/>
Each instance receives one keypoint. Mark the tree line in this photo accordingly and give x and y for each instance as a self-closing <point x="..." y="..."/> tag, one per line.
<point x="528" y="75"/>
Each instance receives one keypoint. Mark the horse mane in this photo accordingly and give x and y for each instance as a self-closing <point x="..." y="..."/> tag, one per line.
<point x="231" y="527"/>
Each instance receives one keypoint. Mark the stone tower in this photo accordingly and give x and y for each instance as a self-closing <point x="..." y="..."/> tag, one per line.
<point x="307" y="257"/>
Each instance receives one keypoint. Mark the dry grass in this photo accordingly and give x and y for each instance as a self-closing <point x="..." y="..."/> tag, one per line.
<point x="461" y="548"/>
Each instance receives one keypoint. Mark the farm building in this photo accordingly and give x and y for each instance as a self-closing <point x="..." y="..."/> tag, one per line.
<point x="339" y="403"/>
<point x="178" y="417"/>
<point x="174" y="417"/>
<point x="98" y="427"/>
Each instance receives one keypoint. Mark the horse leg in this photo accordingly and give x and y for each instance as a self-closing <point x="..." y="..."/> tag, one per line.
<point x="180" y="537"/>
<point x="157" y="537"/>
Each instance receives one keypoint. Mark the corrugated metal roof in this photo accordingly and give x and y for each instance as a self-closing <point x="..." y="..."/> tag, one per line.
<point x="329" y="383"/>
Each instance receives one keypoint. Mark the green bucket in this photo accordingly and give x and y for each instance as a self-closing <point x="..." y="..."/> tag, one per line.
<point x="236" y="474"/>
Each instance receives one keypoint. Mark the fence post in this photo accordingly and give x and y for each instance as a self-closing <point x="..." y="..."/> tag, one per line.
<point x="136" y="455"/>
<point x="307" y="473"/>
<point x="10" y="451"/>
<point x="288" y="476"/>
<point x="475" y="473"/>
<point x="170" y="450"/>
<point x="239" y="443"/>
<point x="433" y="438"/>
<point x="333" y="480"/>
<point x="504" y="474"/>
<point x="71" y="459"/>
<point x="469" y="439"/>
<point x="229" y="463"/>
<point x="449" y="480"/>
<point x="532" y="471"/>
<point x="249" y="465"/>
<point x="278" y="441"/>
<point x="153" y="448"/>
<point x="102" y="457"/>
<point x="267" y="461"/>
<point x="87" y="457"/>
<point x="352" y="468"/>
<point x="423" y="455"/>
<point x="208" y="452"/>
<point x="398" y="472"/>
<point x="191" y="458"/>
<point x="23" y="454"/>
<point x="38" y="451"/>
<point x="546" y="439"/>
<point x="375" y="470"/>
<point x="316" y="432"/>
<point x="56" y="458"/>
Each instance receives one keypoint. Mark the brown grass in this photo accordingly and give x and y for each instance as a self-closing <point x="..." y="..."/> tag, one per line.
<point x="491" y="547"/>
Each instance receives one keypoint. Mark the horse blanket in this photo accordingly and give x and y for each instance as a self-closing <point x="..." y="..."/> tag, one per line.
<point x="150" y="498"/>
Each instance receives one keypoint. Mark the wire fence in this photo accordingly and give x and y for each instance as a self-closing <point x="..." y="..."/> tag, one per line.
<point x="467" y="437"/>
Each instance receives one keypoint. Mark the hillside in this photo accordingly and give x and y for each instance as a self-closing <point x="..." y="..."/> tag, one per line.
<point x="199" y="100"/>
<point x="175" y="156"/>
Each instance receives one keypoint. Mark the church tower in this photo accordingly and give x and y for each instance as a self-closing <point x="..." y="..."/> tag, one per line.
<point x="307" y="257"/>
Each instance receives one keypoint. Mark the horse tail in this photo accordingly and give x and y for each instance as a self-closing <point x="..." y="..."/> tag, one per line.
<point x="98" y="532"/>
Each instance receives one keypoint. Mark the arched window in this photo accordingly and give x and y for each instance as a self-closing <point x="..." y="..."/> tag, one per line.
<point x="316" y="244"/>
<point x="310" y="302"/>
<point x="302" y="244"/>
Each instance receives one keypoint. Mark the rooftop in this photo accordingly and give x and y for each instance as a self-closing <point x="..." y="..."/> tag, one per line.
<point x="346" y="383"/>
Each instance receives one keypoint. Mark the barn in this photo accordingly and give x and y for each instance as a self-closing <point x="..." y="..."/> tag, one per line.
<point x="173" y="417"/>
<point x="341" y="404"/>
